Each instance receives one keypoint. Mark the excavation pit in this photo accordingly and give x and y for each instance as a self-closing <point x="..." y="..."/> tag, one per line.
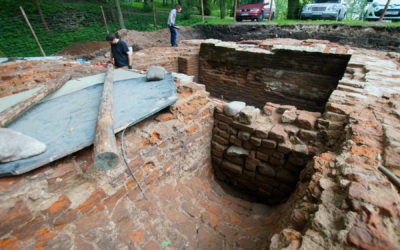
<point x="176" y="154"/>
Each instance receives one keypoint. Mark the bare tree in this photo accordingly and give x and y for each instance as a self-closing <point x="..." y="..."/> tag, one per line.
<point x="384" y="10"/>
<point x="119" y="13"/>
<point x="222" y="8"/>
<point x="37" y="3"/>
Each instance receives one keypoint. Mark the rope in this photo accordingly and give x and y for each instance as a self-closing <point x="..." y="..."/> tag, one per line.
<point x="126" y="163"/>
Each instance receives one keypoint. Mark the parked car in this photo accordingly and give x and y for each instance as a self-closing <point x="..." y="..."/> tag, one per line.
<point x="325" y="9"/>
<point x="374" y="9"/>
<point x="255" y="10"/>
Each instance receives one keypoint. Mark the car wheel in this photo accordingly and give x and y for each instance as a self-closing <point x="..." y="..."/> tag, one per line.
<point x="273" y="16"/>
<point x="261" y="17"/>
<point x="337" y="18"/>
<point x="344" y="16"/>
<point x="238" y="19"/>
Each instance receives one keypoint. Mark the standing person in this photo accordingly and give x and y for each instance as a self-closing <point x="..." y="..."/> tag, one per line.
<point x="171" y="24"/>
<point x="121" y="56"/>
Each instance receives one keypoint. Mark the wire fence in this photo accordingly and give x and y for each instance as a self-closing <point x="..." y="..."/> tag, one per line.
<point x="65" y="28"/>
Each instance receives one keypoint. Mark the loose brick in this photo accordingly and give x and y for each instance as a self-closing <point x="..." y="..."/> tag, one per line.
<point x="235" y="169"/>
<point x="266" y="170"/>
<point x="277" y="133"/>
<point x="220" y="140"/>
<point x="235" y="141"/>
<point x="243" y="127"/>
<point x="269" y="144"/>
<point x="224" y="118"/>
<point x="262" y="156"/>
<point x="306" y="120"/>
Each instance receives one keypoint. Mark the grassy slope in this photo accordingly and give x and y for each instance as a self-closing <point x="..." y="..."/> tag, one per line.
<point x="16" y="39"/>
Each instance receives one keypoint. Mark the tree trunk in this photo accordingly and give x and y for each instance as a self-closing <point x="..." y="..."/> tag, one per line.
<point x="9" y="114"/>
<point x="293" y="9"/>
<point x="37" y="3"/>
<point x="384" y="10"/>
<point x="120" y="17"/>
<point x="105" y="154"/>
<point x="222" y="8"/>
<point x="154" y="15"/>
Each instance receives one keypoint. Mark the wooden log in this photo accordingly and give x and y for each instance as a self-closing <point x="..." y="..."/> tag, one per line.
<point x="105" y="146"/>
<point x="49" y="87"/>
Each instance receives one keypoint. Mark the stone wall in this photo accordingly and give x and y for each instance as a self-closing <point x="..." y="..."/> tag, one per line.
<point x="69" y="202"/>
<point x="303" y="77"/>
<point x="263" y="153"/>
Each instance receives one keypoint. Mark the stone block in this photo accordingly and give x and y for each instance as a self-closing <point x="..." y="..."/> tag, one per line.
<point x="235" y="159"/>
<point x="244" y="135"/>
<point x="277" y="133"/>
<point x="251" y="164"/>
<point x="306" y="120"/>
<point x="243" y="127"/>
<point x="334" y="116"/>
<point x="237" y="151"/>
<point x="223" y="126"/>
<point x="283" y="108"/>
<point x="248" y="115"/>
<point x="271" y="144"/>
<point x="291" y="130"/>
<point x="233" y="168"/>
<point x="266" y="170"/>
<point x="262" y="156"/>
<point x="300" y="150"/>
<point x="269" y="109"/>
<point x="223" y="118"/>
<point x="220" y="140"/>
<point x="235" y="141"/>
<point x="322" y="124"/>
<point x="289" y="116"/>
<point x="233" y="108"/>
<point x="308" y="135"/>
<point x="285" y="147"/>
<point x="255" y="141"/>
<point x="155" y="73"/>
<point x="248" y="145"/>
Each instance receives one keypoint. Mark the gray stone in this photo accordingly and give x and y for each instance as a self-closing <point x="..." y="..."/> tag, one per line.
<point x="237" y="151"/>
<point x="244" y="135"/>
<point x="289" y="116"/>
<point x="15" y="146"/>
<point x="233" y="108"/>
<point x="248" y="115"/>
<point x="155" y="73"/>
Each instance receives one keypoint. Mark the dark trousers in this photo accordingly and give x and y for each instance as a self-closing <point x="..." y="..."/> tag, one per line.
<point x="174" y="35"/>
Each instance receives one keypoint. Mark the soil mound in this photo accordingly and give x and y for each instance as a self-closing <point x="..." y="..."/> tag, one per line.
<point x="83" y="49"/>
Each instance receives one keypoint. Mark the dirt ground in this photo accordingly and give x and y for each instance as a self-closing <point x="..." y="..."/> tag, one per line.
<point x="138" y="40"/>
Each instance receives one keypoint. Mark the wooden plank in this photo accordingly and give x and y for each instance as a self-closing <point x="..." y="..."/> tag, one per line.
<point x="14" y="111"/>
<point x="105" y="154"/>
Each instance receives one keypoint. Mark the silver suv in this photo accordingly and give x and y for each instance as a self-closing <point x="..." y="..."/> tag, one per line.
<point x="325" y="9"/>
<point x="374" y="9"/>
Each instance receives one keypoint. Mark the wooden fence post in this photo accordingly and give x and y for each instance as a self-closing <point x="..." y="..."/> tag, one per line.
<point x="33" y="32"/>
<point x="104" y="18"/>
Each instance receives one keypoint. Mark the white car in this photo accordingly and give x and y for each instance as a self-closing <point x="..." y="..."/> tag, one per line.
<point x="374" y="9"/>
<point x="325" y="9"/>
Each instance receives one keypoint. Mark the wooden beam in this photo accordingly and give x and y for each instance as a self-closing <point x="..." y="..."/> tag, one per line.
<point x="105" y="146"/>
<point x="49" y="87"/>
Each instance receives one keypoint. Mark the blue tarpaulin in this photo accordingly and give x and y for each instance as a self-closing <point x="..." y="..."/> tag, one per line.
<point x="68" y="123"/>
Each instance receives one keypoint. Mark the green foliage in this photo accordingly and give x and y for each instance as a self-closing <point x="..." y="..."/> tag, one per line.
<point x="207" y="7"/>
<point x="187" y="8"/>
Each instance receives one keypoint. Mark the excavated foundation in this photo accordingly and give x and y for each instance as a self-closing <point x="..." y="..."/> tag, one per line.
<point x="313" y="156"/>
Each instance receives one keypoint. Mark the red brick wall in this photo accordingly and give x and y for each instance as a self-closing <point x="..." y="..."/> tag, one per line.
<point x="277" y="145"/>
<point x="285" y="76"/>
<point x="69" y="196"/>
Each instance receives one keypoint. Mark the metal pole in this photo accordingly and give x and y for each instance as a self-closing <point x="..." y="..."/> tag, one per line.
<point x="104" y="18"/>
<point x="384" y="10"/>
<point x="33" y="32"/>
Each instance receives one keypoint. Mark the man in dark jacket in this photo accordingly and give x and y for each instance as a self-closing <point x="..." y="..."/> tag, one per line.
<point x="121" y="56"/>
